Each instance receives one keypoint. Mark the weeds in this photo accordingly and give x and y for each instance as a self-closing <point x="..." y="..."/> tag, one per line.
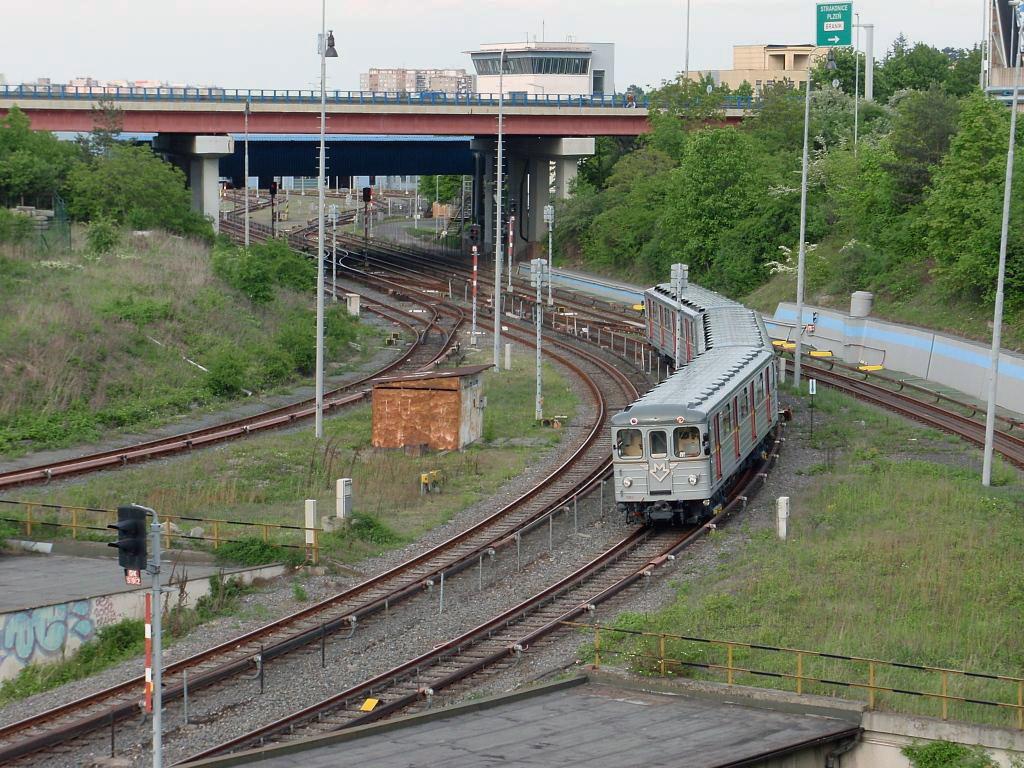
<point x="112" y="644"/>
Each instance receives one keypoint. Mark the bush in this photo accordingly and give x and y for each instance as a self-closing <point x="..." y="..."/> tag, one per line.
<point x="102" y="235"/>
<point x="254" y="551"/>
<point x="297" y="337"/>
<point x="138" y="311"/>
<point x="945" y="754"/>
<point x="370" y="529"/>
<point x="226" y="372"/>
<point x="14" y="227"/>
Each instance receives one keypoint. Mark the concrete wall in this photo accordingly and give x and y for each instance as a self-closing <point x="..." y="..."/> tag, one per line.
<point x="947" y="360"/>
<point x="48" y="633"/>
<point x="885" y="734"/>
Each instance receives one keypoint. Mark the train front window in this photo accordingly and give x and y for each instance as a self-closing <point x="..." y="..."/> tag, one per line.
<point x="687" y="442"/>
<point x="630" y="444"/>
<point x="659" y="444"/>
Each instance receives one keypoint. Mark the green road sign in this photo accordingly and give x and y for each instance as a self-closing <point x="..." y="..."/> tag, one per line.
<point x="835" y="24"/>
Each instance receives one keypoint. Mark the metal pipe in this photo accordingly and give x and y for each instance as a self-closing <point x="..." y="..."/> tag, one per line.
<point x="497" y="223"/>
<point x="803" y="235"/>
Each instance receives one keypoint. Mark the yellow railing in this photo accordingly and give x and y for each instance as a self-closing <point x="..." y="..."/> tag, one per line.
<point x="652" y="652"/>
<point x="39" y="517"/>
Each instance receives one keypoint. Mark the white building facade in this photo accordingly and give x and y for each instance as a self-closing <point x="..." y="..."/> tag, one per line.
<point x="543" y="68"/>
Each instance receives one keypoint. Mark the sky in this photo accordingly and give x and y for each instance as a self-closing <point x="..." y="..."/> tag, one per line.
<point x="272" y="43"/>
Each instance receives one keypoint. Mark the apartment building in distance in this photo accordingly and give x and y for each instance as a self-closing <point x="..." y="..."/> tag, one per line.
<point x="764" y="65"/>
<point x="403" y="80"/>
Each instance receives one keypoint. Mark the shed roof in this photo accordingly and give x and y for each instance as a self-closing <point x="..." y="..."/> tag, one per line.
<point x="444" y="373"/>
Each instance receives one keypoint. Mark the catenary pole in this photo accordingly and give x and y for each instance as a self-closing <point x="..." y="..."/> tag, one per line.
<point x="498" y="229"/>
<point x="997" y="321"/>
<point x="803" y="246"/>
<point x="245" y="183"/>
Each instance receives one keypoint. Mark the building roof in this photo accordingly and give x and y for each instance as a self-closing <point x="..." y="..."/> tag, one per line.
<point x="441" y="373"/>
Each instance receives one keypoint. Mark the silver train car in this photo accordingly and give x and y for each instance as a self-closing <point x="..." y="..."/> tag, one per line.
<point x="676" y="449"/>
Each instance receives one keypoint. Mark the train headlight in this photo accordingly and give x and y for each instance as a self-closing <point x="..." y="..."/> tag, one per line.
<point x="626" y="482"/>
<point x="693" y="479"/>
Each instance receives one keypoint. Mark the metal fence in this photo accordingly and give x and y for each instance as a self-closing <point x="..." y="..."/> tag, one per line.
<point x="920" y="688"/>
<point x="90" y="523"/>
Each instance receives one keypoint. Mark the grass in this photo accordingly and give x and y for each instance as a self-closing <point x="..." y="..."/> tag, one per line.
<point x="113" y="644"/>
<point x="93" y="344"/>
<point x="891" y="556"/>
<point x="264" y="479"/>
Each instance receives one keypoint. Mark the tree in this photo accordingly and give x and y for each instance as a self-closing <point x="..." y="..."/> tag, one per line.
<point x="963" y="78"/>
<point x="447" y="188"/>
<point x="33" y="164"/>
<point x="107" y="125"/>
<point x="132" y="186"/>
<point x="596" y="169"/>
<point x="779" y="124"/>
<point x="963" y="214"/>
<point x="925" y="122"/>
<point x="905" y="68"/>
<point x="846" y="65"/>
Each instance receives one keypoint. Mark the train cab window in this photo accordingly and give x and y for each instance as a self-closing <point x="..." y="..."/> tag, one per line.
<point x="629" y="443"/>
<point x="687" y="442"/>
<point x="659" y="444"/>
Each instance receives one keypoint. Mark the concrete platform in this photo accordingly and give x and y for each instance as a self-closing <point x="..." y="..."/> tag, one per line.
<point x="29" y="581"/>
<point x="575" y="724"/>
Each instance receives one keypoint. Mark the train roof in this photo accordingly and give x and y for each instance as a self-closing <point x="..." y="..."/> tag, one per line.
<point x="694" y="297"/>
<point x="738" y="345"/>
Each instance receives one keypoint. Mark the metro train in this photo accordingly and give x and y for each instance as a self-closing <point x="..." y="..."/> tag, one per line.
<point x="676" y="449"/>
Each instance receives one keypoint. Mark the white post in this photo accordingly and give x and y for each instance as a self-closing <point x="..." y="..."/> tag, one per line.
<point x="310" y="522"/>
<point x="549" y="217"/>
<point x="343" y="498"/>
<point x="686" y="55"/>
<point x="997" y="322"/>
<point x="497" y="220"/>
<point x="803" y="236"/>
<point x="472" y="332"/>
<point x="537" y="270"/>
<point x="680" y="281"/>
<point x="856" y="84"/>
<point x="319" y="411"/>
<point x="508" y="357"/>
<point x="783" y="517"/>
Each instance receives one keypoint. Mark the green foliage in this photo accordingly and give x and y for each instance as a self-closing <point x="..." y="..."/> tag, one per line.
<point x="112" y="644"/>
<point x="299" y="592"/>
<point x="447" y="188"/>
<point x="102" y="235"/>
<point x="138" y="310"/>
<point x="254" y="551"/>
<point x="226" y="371"/>
<point x="132" y="185"/>
<point x="259" y="270"/>
<point x="945" y="754"/>
<point x="372" y="530"/>
<point x="33" y="164"/>
<point x="14" y="227"/>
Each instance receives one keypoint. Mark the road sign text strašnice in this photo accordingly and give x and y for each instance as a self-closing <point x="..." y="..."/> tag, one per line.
<point x="835" y="24"/>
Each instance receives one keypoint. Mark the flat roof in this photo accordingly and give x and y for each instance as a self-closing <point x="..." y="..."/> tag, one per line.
<point x="441" y="373"/>
<point x="573" y="724"/>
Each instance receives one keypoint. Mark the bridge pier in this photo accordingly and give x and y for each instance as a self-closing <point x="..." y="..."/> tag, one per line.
<point x="199" y="157"/>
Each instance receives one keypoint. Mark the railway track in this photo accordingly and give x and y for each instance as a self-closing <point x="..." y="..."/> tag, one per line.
<point x="500" y="639"/>
<point x="57" y="729"/>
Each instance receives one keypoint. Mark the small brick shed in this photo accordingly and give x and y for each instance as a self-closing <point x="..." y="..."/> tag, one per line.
<point x="443" y="410"/>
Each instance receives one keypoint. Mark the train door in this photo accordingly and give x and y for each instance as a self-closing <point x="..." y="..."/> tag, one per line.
<point x="659" y="480"/>
<point x="732" y="427"/>
<point x="768" y="394"/>
<point x="753" y="409"/>
<point x="688" y="329"/>
<point x="718" y="445"/>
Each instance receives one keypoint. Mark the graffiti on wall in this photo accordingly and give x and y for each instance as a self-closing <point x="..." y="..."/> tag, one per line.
<point x="47" y="633"/>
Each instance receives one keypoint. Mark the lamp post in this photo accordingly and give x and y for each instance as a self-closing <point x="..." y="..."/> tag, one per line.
<point x="686" y="55"/>
<point x="997" y="322"/>
<point x="856" y="83"/>
<point x="497" y="221"/>
<point x="245" y="183"/>
<point x="326" y="50"/>
<point x="549" y="217"/>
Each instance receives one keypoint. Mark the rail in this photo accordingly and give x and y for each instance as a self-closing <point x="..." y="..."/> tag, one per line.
<point x="878" y="678"/>
<point x="87" y="522"/>
<point x="275" y="96"/>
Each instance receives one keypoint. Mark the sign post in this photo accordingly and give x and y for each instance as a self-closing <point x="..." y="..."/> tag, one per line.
<point x="812" y="389"/>
<point x="834" y="25"/>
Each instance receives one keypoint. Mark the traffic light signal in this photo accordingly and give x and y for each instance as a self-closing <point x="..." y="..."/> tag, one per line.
<point x="273" y="188"/>
<point x="474" y="233"/>
<point x="367" y="194"/>
<point x="131" y="537"/>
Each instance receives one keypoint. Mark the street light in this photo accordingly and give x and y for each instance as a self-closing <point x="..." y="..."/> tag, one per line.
<point x="497" y="221"/>
<point x="326" y="50"/>
<point x="997" y="322"/>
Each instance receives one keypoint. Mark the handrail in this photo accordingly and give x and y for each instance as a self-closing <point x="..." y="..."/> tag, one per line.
<point x="264" y="95"/>
<point x="731" y="669"/>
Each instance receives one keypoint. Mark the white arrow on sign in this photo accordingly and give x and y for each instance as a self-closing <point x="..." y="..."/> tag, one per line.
<point x="834" y="39"/>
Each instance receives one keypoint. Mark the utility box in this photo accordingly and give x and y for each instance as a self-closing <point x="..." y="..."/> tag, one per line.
<point x="352" y="304"/>
<point x="343" y="501"/>
<point x="442" y="410"/>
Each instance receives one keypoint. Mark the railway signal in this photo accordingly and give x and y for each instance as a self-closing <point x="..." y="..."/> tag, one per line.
<point x="131" y="537"/>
